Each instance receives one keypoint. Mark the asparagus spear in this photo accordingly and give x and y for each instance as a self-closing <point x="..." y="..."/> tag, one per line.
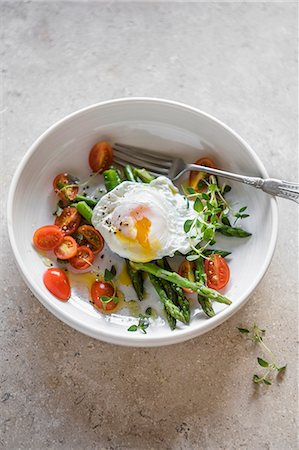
<point x="171" y="308"/>
<point x="173" y="277"/>
<point x="136" y="279"/>
<point x="200" y="277"/>
<point x="181" y="300"/>
<point x="233" y="231"/>
<point x="143" y="174"/>
<point x="90" y="201"/>
<point x="111" y="179"/>
<point x="84" y="210"/>
<point x="171" y="320"/>
<point x="128" y="171"/>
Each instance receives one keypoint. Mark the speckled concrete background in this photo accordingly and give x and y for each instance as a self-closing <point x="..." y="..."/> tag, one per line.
<point x="62" y="390"/>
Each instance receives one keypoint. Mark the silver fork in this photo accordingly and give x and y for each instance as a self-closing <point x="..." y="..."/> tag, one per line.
<point x="173" y="168"/>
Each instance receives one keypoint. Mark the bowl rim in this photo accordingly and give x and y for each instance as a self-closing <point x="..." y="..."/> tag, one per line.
<point x="130" y="339"/>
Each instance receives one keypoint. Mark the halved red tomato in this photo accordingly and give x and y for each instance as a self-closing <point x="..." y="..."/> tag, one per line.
<point x="100" y="157"/>
<point x="67" y="249"/>
<point x="196" y="178"/>
<point x="217" y="272"/>
<point x="100" y="289"/>
<point x="57" y="282"/>
<point x="47" y="237"/>
<point x="186" y="270"/>
<point x="69" y="220"/>
<point x="83" y="258"/>
<point x="64" y="187"/>
<point x="92" y="238"/>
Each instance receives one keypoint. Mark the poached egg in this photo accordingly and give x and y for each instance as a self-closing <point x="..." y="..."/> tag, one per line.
<point x="142" y="222"/>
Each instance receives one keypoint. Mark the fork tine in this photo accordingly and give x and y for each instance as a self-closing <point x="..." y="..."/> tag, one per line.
<point x="128" y="159"/>
<point x="145" y="152"/>
<point x="122" y="153"/>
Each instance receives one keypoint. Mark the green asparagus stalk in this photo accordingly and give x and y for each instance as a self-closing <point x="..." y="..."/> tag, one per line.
<point x="128" y="171"/>
<point x="171" y="320"/>
<point x="173" y="277"/>
<point x="90" y="201"/>
<point x="233" y="231"/>
<point x="181" y="299"/>
<point x="171" y="308"/>
<point x="111" y="179"/>
<point x="143" y="174"/>
<point x="136" y="279"/>
<point x="200" y="277"/>
<point x="84" y="210"/>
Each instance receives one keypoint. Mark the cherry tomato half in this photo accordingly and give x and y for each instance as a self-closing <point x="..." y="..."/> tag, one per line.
<point x="57" y="283"/>
<point x="60" y="182"/>
<point x="92" y="238"/>
<point x="99" y="289"/>
<point x="67" y="249"/>
<point x="83" y="258"/>
<point x="69" y="220"/>
<point x="100" y="157"/>
<point x="47" y="237"/>
<point x="196" y="178"/>
<point x="186" y="270"/>
<point x="217" y="272"/>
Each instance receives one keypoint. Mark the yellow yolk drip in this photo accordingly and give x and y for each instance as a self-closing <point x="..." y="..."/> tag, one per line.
<point x="143" y="227"/>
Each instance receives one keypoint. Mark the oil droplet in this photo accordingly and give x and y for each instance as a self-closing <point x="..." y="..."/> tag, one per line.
<point x="123" y="277"/>
<point x="82" y="279"/>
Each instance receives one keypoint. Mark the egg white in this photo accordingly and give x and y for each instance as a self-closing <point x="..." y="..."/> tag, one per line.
<point x="142" y="222"/>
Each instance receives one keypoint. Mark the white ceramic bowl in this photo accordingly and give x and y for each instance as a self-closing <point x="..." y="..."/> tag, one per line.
<point x="158" y="124"/>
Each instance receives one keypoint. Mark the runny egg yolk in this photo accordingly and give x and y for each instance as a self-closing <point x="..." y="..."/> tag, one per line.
<point x="143" y="226"/>
<point x="140" y="226"/>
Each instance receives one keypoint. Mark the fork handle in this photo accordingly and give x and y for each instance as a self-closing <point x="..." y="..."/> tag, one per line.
<point x="272" y="186"/>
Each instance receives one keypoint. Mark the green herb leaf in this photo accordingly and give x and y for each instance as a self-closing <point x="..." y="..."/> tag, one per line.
<point x="192" y="257"/>
<point x="256" y="379"/>
<point x="243" y="330"/>
<point x="226" y="189"/>
<point x="262" y="362"/>
<point x="105" y="299"/>
<point x="133" y="328"/>
<point x="281" y="369"/>
<point x="226" y="221"/>
<point x="109" y="274"/>
<point x="267" y="381"/>
<point x="187" y="225"/>
<point x="115" y="300"/>
<point x="243" y="209"/>
<point x="198" y="205"/>
<point x="191" y="190"/>
<point x="148" y="311"/>
<point x="208" y="234"/>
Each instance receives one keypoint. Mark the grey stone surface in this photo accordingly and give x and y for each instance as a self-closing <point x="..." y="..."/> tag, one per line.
<point x="63" y="390"/>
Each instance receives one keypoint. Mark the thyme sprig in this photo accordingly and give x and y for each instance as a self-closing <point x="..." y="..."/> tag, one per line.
<point x="256" y="335"/>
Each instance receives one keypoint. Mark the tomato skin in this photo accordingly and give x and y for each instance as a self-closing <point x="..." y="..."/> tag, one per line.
<point x="68" y="221"/>
<point x="186" y="270"/>
<point x="57" y="283"/>
<point x="47" y="237"/>
<point x="217" y="272"/>
<point x="92" y="238"/>
<point x="196" y="177"/>
<point x="82" y="252"/>
<point x="68" y="194"/>
<point x="98" y="289"/>
<point x="67" y="249"/>
<point x="100" y="157"/>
